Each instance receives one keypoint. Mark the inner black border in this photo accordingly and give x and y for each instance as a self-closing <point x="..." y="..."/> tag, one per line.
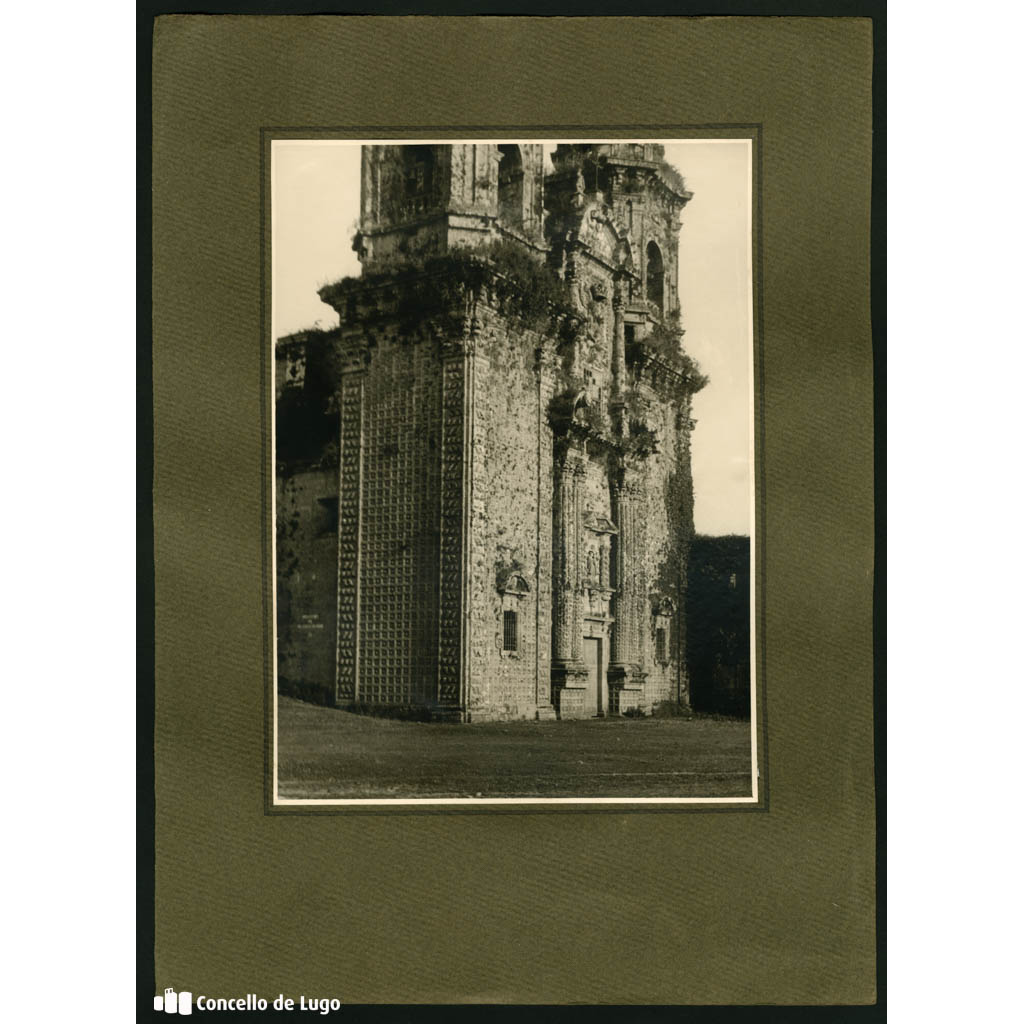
<point x="753" y="132"/>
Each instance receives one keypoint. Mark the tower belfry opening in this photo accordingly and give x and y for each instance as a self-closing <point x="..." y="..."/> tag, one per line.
<point x="419" y="177"/>
<point x="655" y="276"/>
<point x="510" y="186"/>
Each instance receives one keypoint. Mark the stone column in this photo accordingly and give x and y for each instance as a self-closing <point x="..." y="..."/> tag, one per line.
<point x="568" y="672"/>
<point x="621" y="650"/>
<point x="568" y="472"/>
<point x="626" y="670"/>
<point x="618" y="340"/>
<point x="636" y="550"/>
<point x="578" y="569"/>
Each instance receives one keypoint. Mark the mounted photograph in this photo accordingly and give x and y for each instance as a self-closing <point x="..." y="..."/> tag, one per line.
<point x="513" y="446"/>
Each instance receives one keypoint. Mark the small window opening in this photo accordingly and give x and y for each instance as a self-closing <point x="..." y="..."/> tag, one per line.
<point x="660" y="651"/>
<point x="655" y="275"/>
<point x="511" y="631"/>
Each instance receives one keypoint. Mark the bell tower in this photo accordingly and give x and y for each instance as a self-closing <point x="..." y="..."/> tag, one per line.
<point x="646" y="196"/>
<point x="613" y="232"/>
<point x="425" y="200"/>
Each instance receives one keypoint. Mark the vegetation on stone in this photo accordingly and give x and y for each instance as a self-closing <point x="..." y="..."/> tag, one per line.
<point x="531" y="294"/>
<point x="664" y="342"/>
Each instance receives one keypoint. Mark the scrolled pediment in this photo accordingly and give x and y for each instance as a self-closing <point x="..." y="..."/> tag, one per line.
<point x="604" y="236"/>
<point x="598" y="524"/>
<point x="512" y="581"/>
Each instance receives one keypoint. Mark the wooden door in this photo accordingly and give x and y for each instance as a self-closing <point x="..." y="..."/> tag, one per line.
<point x="594" y="702"/>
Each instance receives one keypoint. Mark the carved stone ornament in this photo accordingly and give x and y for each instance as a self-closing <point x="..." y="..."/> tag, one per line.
<point x="598" y="524"/>
<point x="598" y="603"/>
<point x="579" y="197"/>
<point x="563" y="409"/>
<point x="512" y="582"/>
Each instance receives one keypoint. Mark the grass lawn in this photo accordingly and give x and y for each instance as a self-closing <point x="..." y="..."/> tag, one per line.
<point x="324" y="753"/>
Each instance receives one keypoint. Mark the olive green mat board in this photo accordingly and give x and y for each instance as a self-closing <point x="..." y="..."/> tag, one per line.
<point x="769" y="903"/>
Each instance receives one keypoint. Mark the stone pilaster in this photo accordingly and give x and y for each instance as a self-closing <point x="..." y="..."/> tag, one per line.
<point x="450" y="652"/>
<point x="544" y="576"/>
<point x="474" y="500"/>
<point x="567" y="667"/>
<point x="350" y="475"/>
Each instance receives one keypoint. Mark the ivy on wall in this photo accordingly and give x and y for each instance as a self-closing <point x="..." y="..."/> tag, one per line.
<point x="530" y="293"/>
<point x="664" y="342"/>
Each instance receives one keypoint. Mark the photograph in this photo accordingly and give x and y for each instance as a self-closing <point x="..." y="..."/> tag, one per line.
<point x="515" y="390"/>
<point x="513" y="447"/>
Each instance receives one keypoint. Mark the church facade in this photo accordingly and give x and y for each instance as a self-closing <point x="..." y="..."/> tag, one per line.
<point x="484" y="502"/>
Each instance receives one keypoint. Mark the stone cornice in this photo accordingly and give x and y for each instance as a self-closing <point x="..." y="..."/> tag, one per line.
<point x="598" y="523"/>
<point x="664" y="378"/>
<point x="465" y="282"/>
<point x="575" y="246"/>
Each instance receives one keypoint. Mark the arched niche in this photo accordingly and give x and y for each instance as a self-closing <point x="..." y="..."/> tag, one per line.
<point x="655" y="276"/>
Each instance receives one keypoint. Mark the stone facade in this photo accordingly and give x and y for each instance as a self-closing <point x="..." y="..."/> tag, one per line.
<point x="484" y="496"/>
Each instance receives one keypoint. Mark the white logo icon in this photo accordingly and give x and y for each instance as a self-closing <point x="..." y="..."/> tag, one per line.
<point x="173" y="1002"/>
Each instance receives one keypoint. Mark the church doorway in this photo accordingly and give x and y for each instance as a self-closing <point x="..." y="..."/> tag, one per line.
<point x="596" y="695"/>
